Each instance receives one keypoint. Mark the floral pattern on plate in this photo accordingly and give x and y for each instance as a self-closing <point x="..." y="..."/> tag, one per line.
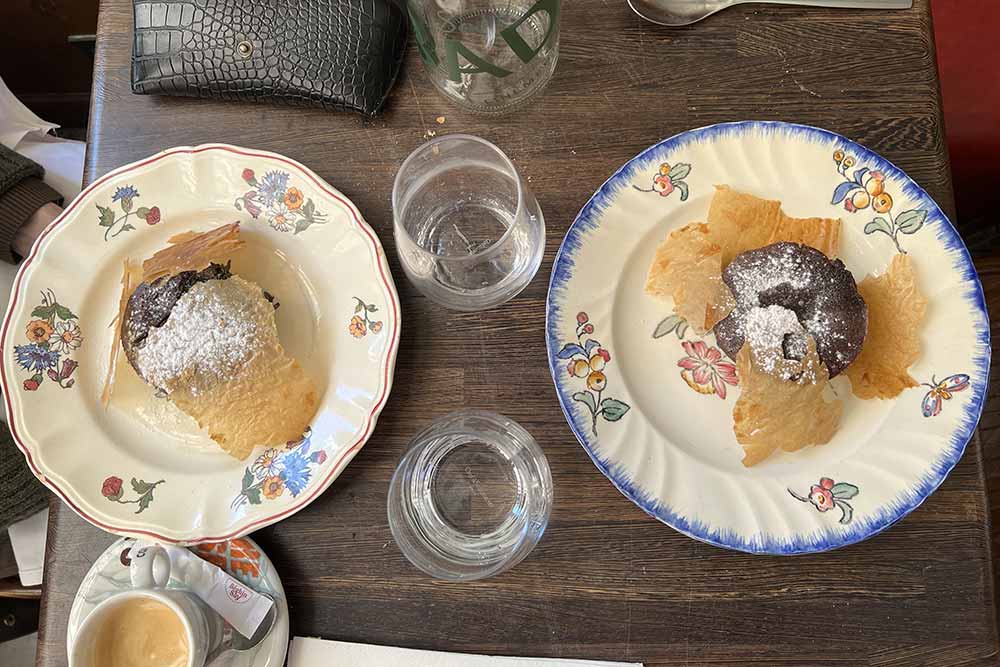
<point x="284" y="206"/>
<point x="702" y="366"/>
<point x="829" y="494"/>
<point x="113" y="491"/>
<point x="588" y="360"/>
<point x="115" y="224"/>
<point x="668" y="179"/>
<point x="864" y="187"/>
<point x="278" y="470"/>
<point x="53" y="334"/>
<point x="362" y="322"/>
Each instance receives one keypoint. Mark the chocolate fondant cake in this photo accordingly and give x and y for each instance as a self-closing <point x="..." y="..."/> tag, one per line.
<point x="787" y="290"/>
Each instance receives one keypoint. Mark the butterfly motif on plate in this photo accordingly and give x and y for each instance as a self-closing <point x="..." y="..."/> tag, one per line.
<point x="942" y="391"/>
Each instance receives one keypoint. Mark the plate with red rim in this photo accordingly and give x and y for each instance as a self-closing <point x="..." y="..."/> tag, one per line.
<point x="651" y="401"/>
<point x="141" y="467"/>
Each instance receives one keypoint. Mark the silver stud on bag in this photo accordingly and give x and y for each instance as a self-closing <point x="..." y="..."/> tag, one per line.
<point x="244" y="49"/>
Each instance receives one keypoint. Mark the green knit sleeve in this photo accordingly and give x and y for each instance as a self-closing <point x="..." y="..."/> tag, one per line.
<point x="22" y="192"/>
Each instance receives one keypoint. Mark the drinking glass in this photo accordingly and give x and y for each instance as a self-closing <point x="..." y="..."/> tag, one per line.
<point x="471" y="496"/>
<point x="469" y="233"/>
<point x="488" y="56"/>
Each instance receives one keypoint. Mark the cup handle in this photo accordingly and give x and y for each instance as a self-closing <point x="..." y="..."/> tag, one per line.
<point x="150" y="567"/>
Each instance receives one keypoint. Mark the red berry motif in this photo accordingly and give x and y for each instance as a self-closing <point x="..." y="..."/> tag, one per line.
<point x="112" y="487"/>
<point x="582" y="318"/>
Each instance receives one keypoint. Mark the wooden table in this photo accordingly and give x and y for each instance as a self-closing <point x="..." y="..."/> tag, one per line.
<point x="607" y="581"/>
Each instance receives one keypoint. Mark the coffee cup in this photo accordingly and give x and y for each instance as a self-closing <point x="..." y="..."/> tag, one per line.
<point x="147" y="625"/>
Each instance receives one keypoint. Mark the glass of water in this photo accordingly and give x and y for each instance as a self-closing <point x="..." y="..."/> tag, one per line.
<point x="488" y="56"/>
<point x="471" y="496"/>
<point x="469" y="233"/>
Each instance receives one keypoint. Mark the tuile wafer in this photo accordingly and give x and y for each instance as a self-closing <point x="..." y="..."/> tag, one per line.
<point x="738" y="221"/>
<point x="820" y="233"/>
<point x="191" y="251"/>
<point x="772" y="413"/>
<point x="687" y="267"/>
<point x="896" y="310"/>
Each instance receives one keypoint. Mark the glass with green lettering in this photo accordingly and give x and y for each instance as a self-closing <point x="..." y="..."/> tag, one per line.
<point x="488" y="56"/>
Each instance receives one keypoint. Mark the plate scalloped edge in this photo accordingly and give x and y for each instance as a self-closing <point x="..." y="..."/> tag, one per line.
<point x="248" y="523"/>
<point x="888" y="513"/>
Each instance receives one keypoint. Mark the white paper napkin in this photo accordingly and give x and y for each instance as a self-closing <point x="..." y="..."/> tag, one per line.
<point x="17" y="120"/>
<point x="27" y="538"/>
<point x="309" y="652"/>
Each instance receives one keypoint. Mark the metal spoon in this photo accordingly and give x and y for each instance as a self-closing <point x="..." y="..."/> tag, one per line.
<point x="685" y="12"/>
<point x="234" y="642"/>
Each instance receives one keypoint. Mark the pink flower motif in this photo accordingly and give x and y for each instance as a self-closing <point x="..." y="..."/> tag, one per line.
<point x="705" y="371"/>
<point x="663" y="185"/>
<point x="827" y="495"/>
<point x="582" y="318"/>
<point x="69" y="365"/>
<point x="250" y="203"/>
<point x="604" y="354"/>
<point x="821" y="497"/>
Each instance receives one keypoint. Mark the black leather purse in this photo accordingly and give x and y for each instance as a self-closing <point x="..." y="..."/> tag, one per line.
<point x="335" y="54"/>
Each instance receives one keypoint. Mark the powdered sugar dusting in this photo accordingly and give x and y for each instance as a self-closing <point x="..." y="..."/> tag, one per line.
<point x="767" y="330"/>
<point x="213" y="331"/>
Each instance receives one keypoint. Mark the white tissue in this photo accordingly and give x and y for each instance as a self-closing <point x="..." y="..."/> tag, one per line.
<point x="308" y="652"/>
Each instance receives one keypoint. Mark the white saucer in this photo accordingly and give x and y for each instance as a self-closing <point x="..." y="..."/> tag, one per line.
<point x="241" y="558"/>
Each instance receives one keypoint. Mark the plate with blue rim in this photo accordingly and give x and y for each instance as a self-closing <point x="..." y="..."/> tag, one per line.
<point x="651" y="401"/>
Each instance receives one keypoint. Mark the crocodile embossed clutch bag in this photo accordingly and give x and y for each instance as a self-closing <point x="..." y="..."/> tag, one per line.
<point x="335" y="54"/>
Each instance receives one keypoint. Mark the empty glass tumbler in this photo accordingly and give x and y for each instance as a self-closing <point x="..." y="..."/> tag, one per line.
<point x="469" y="233"/>
<point x="488" y="56"/>
<point x="471" y="497"/>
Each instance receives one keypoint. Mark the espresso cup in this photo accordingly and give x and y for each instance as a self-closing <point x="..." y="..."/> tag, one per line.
<point x="147" y="625"/>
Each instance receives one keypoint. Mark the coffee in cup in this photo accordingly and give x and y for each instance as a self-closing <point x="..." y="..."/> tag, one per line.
<point x="140" y="631"/>
<point x="147" y="625"/>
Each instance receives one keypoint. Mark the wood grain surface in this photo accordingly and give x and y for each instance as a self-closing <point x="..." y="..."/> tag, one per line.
<point x="607" y="581"/>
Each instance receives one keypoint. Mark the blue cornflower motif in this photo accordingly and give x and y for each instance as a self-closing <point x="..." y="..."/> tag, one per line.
<point x="272" y="187"/>
<point x="127" y="192"/>
<point x="34" y="357"/>
<point x="295" y="473"/>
